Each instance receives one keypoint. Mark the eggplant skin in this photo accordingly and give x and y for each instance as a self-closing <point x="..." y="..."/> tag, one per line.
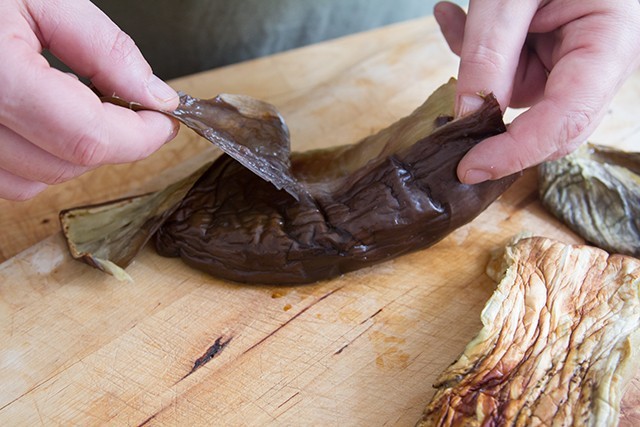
<point x="234" y="225"/>
<point x="595" y="191"/>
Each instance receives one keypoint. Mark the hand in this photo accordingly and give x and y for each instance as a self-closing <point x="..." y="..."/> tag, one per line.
<point x="564" y="58"/>
<point x="53" y="127"/>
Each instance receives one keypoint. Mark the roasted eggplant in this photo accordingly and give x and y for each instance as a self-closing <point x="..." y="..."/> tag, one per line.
<point x="261" y="215"/>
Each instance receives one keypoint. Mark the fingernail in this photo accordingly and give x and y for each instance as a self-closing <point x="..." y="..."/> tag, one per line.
<point x="476" y="176"/>
<point x="468" y="104"/>
<point x="161" y="91"/>
<point x="175" y="126"/>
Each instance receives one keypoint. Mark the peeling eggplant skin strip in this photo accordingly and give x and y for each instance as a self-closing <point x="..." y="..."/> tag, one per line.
<point x="249" y="130"/>
<point x="234" y="225"/>
<point x="596" y="192"/>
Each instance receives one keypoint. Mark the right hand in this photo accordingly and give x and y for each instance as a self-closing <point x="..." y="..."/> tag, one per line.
<point x="565" y="59"/>
<point x="52" y="126"/>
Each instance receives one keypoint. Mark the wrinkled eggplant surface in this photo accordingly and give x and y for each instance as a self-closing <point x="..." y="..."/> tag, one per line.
<point x="235" y="225"/>
<point x="596" y="192"/>
<point x="262" y="215"/>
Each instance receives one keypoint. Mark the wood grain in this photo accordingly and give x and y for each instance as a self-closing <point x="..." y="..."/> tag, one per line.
<point x="177" y="347"/>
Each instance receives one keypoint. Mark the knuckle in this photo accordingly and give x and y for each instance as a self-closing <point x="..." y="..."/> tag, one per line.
<point x="486" y="58"/>
<point x="576" y="124"/>
<point x="60" y="175"/>
<point x="25" y="192"/>
<point x="88" y="150"/>
<point x="123" y="48"/>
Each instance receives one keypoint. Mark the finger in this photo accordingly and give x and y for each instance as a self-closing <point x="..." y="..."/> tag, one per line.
<point x="494" y="35"/>
<point x="596" y="54"/>
<point x="531" y="74"/>
<point x="21" y="158"/>
<point x="64" y="117"/>
<point x="573" y="105"/>
<point x="451" y="18"/>
<point x="87" y="41"/>
<point x="530" y="79"/>
<point x="13" y="187"/>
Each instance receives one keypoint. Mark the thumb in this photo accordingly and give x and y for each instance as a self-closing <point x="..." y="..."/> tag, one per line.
<point x="494" y="35"/>
<point x="87" y="41"/>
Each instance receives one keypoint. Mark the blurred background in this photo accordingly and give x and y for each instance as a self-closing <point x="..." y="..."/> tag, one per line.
<point x="180" y="37"/>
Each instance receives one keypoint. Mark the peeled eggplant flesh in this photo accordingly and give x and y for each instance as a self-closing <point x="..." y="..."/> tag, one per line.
<point x="596" y="192"/>
<point x="314" y="215"/>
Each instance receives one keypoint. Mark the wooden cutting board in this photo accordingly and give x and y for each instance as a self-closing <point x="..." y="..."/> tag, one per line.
<point x="177" y="347"/>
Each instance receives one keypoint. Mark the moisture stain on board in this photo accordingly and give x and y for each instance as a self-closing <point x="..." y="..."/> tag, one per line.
<point x="389" y="354"/>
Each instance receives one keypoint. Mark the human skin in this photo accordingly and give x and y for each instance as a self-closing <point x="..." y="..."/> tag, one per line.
<point x="52" y="126"/>
<point x="565" y="59"/>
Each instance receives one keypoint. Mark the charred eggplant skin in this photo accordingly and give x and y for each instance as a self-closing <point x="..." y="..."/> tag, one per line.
<point x="235" y="225"/>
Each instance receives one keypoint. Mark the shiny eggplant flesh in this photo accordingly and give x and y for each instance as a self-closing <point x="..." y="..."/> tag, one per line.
<point x="261" y="214"/>
<point x="596" y="192"/>
<point x="234" y="225"/>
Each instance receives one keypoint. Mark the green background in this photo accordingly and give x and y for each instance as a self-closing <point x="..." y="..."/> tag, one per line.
<point x="180" y="37"/>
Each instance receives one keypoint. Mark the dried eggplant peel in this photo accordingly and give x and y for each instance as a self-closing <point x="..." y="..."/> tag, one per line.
<point x="109" y="235"/>
<point x="596" y="192"/>
<point x="559" y="342"/>
<point x="352" y="206"/>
